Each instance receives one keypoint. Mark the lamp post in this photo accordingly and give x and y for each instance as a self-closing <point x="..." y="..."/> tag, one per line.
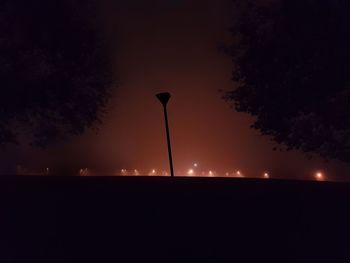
<point x="164" y="98"/>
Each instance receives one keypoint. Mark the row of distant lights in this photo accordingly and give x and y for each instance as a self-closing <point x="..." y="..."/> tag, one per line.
<point x="238" y="173"/>
<point x="153" y="172"/>
<point x="190" y="172"/>
<point x="319" y="176"/>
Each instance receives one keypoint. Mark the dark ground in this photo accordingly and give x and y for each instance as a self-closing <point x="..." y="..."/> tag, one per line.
<point x="148" y="219"/>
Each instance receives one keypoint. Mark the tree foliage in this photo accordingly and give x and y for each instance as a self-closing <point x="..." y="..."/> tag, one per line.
<point x="54" y="69"/>
<point x="292" y="67"/>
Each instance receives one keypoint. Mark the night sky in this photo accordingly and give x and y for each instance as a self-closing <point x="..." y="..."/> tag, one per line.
<point x="172" y="46"/>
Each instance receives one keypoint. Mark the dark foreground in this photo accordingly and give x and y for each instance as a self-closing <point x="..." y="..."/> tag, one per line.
<point x="119" y="219"/>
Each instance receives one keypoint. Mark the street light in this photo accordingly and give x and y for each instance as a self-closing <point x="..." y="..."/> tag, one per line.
<point x="164" y="98"/>
<point x="319" y="176"/>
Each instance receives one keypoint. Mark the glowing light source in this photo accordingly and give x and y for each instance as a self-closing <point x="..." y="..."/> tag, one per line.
<point x="190" y="172"/>
<point x="136" y="172"/>
<point x="153" y="172"/>
<point x="195" y="164"/>
<point x="211" y="173"/>
<point x="266" y="175"/>
<point x="319" y="176"/>
<point x="83" y="172"/>
<point x="238" y="173"/>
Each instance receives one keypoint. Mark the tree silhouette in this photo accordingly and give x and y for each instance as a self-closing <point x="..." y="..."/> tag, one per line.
<point x="54" y="69"/>
<point x="292" y="67"/>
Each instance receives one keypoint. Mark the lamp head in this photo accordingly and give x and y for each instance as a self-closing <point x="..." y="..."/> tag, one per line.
<point x="163" y="97"/>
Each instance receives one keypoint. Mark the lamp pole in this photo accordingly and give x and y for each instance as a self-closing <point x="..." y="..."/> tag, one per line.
<point x="164" y="98"/>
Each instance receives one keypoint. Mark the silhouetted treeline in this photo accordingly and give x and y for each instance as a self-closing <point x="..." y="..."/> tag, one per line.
<point x="292" y="65"/>
<point x="54" y="69"/>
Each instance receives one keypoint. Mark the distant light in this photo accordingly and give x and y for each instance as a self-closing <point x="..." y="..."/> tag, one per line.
<point x="153" y="172"/>
<point x="195" y="164"/>
<point x="83" y="172"/>
<point x="319" y="176"/>
<point x="190" y="172"/>
<point x="238" y="173"/>
<point x="136" y="172"/>
<point x="227" y="174"/>
<point x="266" y="175"/>
<point x="211" y="173"/>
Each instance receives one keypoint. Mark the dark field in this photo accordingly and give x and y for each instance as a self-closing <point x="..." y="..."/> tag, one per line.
<point x="147" y="219"/>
